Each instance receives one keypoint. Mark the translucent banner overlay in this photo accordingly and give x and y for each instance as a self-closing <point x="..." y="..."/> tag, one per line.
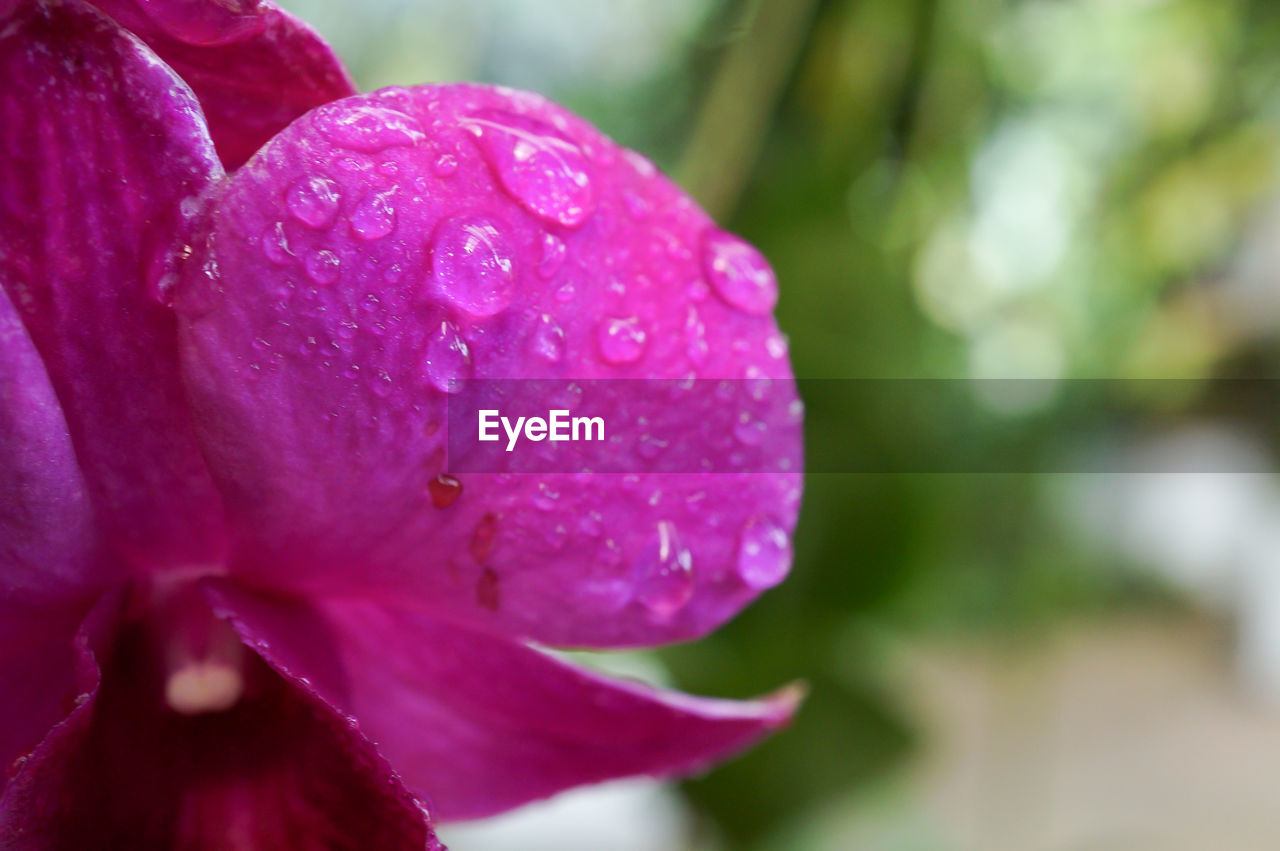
<point x="882" y="426"/>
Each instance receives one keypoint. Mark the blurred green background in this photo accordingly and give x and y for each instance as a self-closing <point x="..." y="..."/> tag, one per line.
<point x="1059" y="189"/>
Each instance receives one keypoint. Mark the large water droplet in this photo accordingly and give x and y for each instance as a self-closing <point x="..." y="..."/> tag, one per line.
<point x="664" y="575"/>
<point x="444" y="489"/>
<point x="738" y="273"/>
<point x="322" y="266"/>
<point x="764" y="553"/>
<point x="369" y="129"/>
<point x="448" y="359"/>
<point x="541" y="169"/>
<point x="472" y="264"/>
<point x="621" y="341"/>
<point x="314" y="201"/>
<point x="374" y="217"/>
<point x="482" y="537"/>
<point x="276" y="245"/>
<point x="548" y="339"/>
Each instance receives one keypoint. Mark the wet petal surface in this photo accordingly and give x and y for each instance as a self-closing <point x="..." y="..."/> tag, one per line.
<point x="103" y="158"/>
<point x="320" y="362"/>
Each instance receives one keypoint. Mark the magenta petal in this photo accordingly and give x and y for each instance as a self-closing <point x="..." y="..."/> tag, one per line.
<point x="48" y="544"/>
<point x="281" y="770"/>
<point x="103" y="155"/>
<point x="50" y="561"/>
<point x="480" y="724"/>
<point x="342" y="295"/>
<point x="254" y="66"/>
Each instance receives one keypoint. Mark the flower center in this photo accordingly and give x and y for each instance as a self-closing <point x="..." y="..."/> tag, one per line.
<point x="202" y="686"/>
<point x="204" y="662"/>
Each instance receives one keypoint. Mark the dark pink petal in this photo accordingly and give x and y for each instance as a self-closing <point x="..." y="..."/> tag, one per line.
<point x="281" y="770"/>
<point x="254" y="66"/>
<point x="103" y="157"/>
<point x="386" y="243"/>
<point x="480" y="724"/>
<point x="50" y="561"/>
<point x="48" y="544"/>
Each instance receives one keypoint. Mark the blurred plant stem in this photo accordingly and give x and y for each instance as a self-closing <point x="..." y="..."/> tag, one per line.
<point x="744" y="91"/>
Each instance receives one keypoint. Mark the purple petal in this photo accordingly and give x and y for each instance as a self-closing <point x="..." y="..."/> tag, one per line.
<point x="48" y="545"/>
<point x="103" y="153"/>
<point x="342" y="295"/>
<point x="279" y="770"/>
<point x="479" y="724"/>
<point x="50" y="561"/>
<point x="254" y="67"/>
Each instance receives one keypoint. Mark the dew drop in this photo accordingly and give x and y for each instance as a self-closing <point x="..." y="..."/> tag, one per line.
<point x="444" y="489"/>
<point x="749" y="431"/>
<point x="664" y="578"/>
<point x="553" y="253"/>
<point x="482" y="537"/>
<point x="368" y="129"/>
<point x="565" y="293"/>
<point x="541" y="169"/>
<point x="445" y="165"/>
<point x="448" y="359"/>
<point x="696" y="338"/>
<point x="621" y="341"/>
<point x="314" y="201"/>
<point x="764" y="553"/>
<point x="472" y="264"/>
<point x="276" y="245"/>
<point x="548" y="339"/>
<point x="738" y="272"/>
<point x="322" y="266"/>
<point x="374" y="217"/>
<point x="488" y="592"/>
<point x="636" y="205"/>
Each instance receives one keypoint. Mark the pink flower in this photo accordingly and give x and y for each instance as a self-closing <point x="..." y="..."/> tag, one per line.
<point x="242" y="603"/>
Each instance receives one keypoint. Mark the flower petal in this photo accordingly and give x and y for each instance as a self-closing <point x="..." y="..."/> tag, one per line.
<point x="343" y="289"/>
<point x="479" y="724"/>
<point x="50" y="560"/>
<point x="279" y="770"/>
<point x="48" y="543"/>
<point x="254" y="66"/>
<point x="102" y="153"/>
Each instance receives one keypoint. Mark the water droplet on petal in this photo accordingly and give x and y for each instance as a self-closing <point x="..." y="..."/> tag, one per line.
<point x="565" y="293"/>
<point x="764" y="553"/>
<point x="374" y="217"/>
<point x="444" y="489"/>
<point x="488" y="592"/>
<point x="322" y="266"/>
<point x="749" y="431"/>
<point x="541" y="169"/>
<point x="369" y="129"/>
<point x="738" y="272"/>
<point x="621" y="341"/>
<point x="445" y="165"/>
<point x="472" y="264"/>
<point x="276" y="245"/>
<point x="696" y="337"/>
<point x="636" y="205"/>
<point x="548" y="339"/>
<point x="448" y="359"/>
<point x="482" y="537"/>
<point x="553" y="253"/>
<point x="664" y="578"/>
<point x="314" y="201"/>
